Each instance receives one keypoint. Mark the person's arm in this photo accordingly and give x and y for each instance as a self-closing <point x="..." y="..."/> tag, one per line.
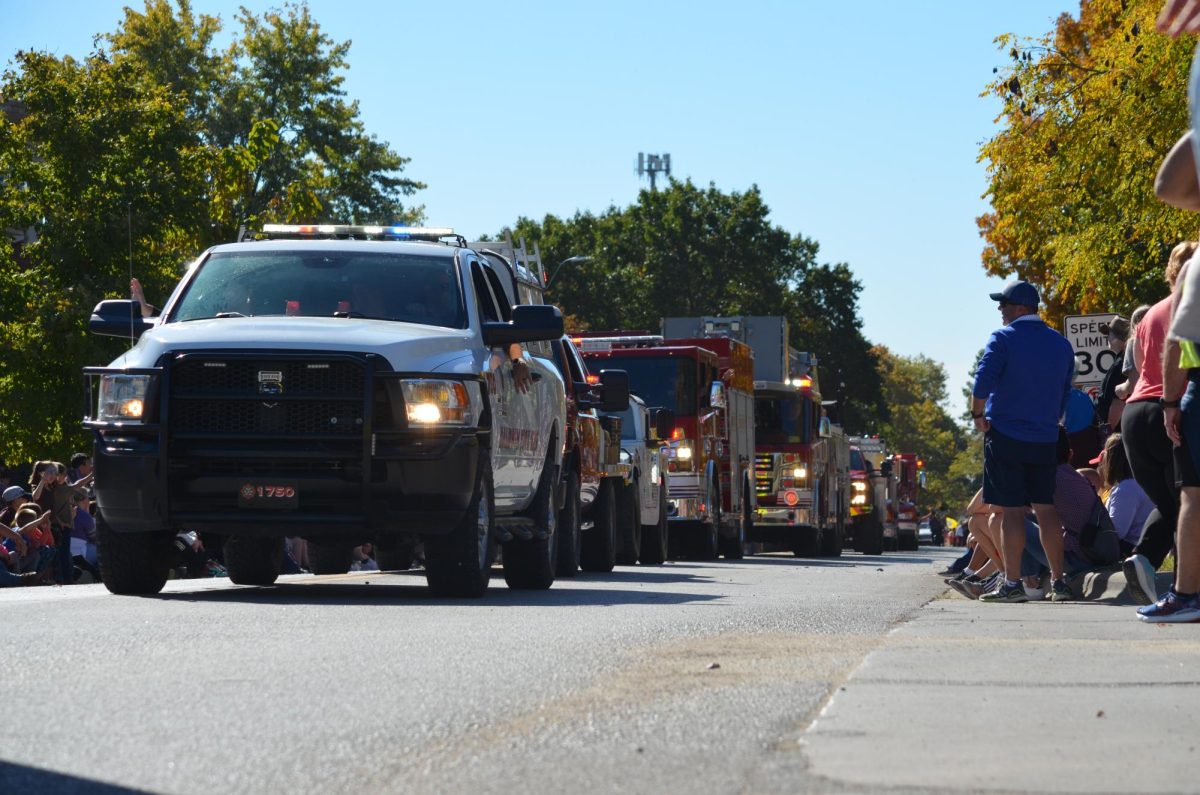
<point x="987" y="375"/>
<point x="1174" y="378"/>
<point x="521" y="373"/>
<point x="136" y="293"/>
<point x="18" y="541"/>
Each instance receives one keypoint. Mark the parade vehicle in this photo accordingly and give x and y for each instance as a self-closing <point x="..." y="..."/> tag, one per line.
<point x="642" y="501"/>
<point x="801" y="459"/>
<point x="341" y="383"/>
<point x="594" y="474"/>
<point x="909" y="472"/>
<point x="870" y="530"/>
<point x="711" y="494"/>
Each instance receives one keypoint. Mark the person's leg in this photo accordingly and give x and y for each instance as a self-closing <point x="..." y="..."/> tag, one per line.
<point x="986" y="529"/>
<point x="1151" y="459"/>
<point x="1050" y="533"/>
<point x="1013" y="538"/>
<point x="1187" y="555"/>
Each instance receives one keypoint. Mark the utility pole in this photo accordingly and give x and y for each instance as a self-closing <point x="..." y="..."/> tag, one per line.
<point x="653" y="164"/>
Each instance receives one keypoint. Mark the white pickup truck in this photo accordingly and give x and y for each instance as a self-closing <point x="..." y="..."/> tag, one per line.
<point x="642" y="502"/>
<point x="340" y="383"/>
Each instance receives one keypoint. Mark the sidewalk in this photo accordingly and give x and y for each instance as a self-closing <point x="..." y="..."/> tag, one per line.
<point x="1038" y="697"/>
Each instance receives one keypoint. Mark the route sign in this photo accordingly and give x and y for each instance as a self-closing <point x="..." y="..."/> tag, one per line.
<point x="1092" y="356"/>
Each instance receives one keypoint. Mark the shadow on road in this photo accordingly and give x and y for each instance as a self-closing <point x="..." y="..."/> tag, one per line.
<point x="22" y="778"/>
<point x="410" y="588"/>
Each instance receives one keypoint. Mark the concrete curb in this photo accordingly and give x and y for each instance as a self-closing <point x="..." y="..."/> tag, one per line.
<point x="1109" y="586"/>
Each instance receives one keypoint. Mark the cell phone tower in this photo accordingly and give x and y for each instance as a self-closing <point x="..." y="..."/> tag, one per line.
<point x="652" y="165"/>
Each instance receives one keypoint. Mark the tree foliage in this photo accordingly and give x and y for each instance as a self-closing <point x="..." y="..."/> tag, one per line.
<point x="915" y="391"/>
<point x="1090" y="109"/>
<point x="141" y="155"/>
<point x="687" y="250"/>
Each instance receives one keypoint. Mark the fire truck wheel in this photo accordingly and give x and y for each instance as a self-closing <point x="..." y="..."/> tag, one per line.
<point x="253" y="561"/>
<point x="734" y="548"/>
<point x="598" y="549"/>
<point x="707" y="537"/>
<point x="654" y="536"/>
<point x="629" y="525"/>
<point x="868" y="537"/>
<point x="831" y="542"/>
<point x="908" y="542"/>
<point x="568" y="528"/>
<point x="807" y="544"/>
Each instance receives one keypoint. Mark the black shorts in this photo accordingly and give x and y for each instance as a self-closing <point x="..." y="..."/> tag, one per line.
<point x="1017" y="473"/>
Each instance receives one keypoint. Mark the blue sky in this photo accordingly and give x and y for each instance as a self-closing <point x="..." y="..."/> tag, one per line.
<point x="859" y="121"/>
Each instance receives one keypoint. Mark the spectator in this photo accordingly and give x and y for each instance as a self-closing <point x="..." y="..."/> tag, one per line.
<point x="1129" y="366"/>
<point x="1083" y="430"/>
<point x="10" y="560"/>
<point x="80" y="468"/>
<point x="14" y="498"/>
<point x="1108" y="405"/>
<point x="1147" y="446"/>
<point x="1020" y="392"/>
<point x="34" y="527"/>
<point x="1125" y="500"/>
<point x="83" y="537"/>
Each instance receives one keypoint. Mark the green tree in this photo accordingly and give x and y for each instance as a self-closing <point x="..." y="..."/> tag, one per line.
<point x="141" y="155"/>
<point x="1089" y="111"/>
<point x="686" y="250"/>
<point x="915" y="391"/>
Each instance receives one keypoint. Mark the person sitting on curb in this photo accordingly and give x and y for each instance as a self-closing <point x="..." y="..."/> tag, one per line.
<point x="1127" y="503"/>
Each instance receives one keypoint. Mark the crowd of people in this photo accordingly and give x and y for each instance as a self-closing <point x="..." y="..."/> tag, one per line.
<point x="48" y="533"/>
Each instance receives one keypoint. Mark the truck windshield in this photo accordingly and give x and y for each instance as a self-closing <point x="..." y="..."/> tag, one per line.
<point x="782" y="419"/>
<point x="857" y="462"/>
<point x="380" y="286"/>
<point x="665" y="382"/>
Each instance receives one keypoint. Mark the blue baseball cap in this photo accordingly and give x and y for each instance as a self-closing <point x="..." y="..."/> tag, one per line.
<point x="1020" y="293"/>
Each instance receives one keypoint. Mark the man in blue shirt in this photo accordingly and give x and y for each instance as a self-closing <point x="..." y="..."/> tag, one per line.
<point x="1020" y="394"/>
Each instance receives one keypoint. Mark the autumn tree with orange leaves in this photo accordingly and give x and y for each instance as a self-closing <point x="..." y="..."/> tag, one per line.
<point x="1090" y="109"/>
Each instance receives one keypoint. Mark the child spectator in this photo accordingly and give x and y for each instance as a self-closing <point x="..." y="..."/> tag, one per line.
<point x="1126" y="501"/>
<point x="83" y="537"/>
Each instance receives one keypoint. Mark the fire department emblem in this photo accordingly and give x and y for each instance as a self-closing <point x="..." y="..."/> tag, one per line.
<point x="247" y="492"/>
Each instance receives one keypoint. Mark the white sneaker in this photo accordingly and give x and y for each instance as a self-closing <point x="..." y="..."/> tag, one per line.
<point x="1035" y="594"/>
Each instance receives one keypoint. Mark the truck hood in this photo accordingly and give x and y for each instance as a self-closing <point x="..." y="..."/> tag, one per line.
<point x="406" y="346"/>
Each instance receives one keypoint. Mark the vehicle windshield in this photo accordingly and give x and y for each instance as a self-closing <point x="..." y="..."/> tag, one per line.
<point x="377" y="285"/>
<point x="857" y="462"/>
<point x="782" y="419"/>
<point x="659" y="381"/>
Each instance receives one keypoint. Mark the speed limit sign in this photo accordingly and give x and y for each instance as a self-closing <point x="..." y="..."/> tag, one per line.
<point x="1092" y="356"/>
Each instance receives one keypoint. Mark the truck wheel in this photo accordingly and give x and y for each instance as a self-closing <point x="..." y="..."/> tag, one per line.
<point x="831" y="542"/>
<point x="459" y="563"/>
<point x="330" y="558"/>
<point x="735" y="548"/>
<point x="629" y="525"/>
<point x="253" y="561"/>
<point x="708" y="533"/>
<point x="598" y="551"/>
<point x="395" y="554"/>
<point x="654" y="536"/>
<point x="568" y="529"/>
<point x="869" y="537"/>
<point x="807" y="543"/>
<point x="132" y="563"/>
<point x="529" y="564"/>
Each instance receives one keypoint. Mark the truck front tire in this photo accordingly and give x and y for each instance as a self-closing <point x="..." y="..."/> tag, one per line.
<point x="598" y="550"/>
<point x="253" y="561"/>
<point x="654" y="536"/>
<point x="530" y="564"/>
<point x="459" y="563"/>
<point x="629" y="525"/>
<point x="568" y="529"/>
<point x="132" y="563"/>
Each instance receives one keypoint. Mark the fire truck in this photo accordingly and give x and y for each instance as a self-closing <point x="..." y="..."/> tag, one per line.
<point x="709" y="384"/>
<point x="869" y="496"/>
<point x="908" y="469"/>
<point x="801" y="459"/>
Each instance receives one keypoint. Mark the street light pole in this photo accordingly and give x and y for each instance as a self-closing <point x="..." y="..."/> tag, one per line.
<point x="558" y="267"/>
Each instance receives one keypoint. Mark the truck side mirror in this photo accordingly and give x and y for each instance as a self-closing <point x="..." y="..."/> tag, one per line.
<point x="530" y="323"/>
<point x="716" y="396"/>
<point x="825" y="430"/>
<point x="118" y="318"/>
<point x="921" y="478"/>
<point x="614" y="390"/>
<point x="885" y="469"/>
<point x="664" y="424"/>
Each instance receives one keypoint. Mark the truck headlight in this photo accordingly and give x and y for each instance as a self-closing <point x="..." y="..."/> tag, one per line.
<point x="430" y="401"/>
<point x="799" y="473"/>
<point x="858" y="486"/>
<point x="858" y="499"/>
<point x="683" y="453"/>
<point x="122" y="398"/>
<point x="626" y="457"/>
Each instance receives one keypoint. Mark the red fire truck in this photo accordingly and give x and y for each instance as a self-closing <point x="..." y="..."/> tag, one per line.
<point x="909" y="471"/>
<point x="801" y="459"/>
<point x="709" y="384"/>
<point x="868" y="500"/>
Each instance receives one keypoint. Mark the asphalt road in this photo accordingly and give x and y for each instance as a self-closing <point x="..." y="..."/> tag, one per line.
<point x="688" y="677"/>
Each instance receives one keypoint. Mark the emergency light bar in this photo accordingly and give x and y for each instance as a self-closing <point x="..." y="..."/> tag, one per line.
<point x="613" y="343"/>
<point x="276" y="231"/>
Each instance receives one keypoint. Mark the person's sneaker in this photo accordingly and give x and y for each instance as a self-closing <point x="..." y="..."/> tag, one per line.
<point x="963" y="586"/>
<point x="1139" y="575"/>
<point x="1035" y="594"/>
<point x="1005" y="593"/>
<point x="1060" y="591"/>
<point x="1172" y="609"/>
